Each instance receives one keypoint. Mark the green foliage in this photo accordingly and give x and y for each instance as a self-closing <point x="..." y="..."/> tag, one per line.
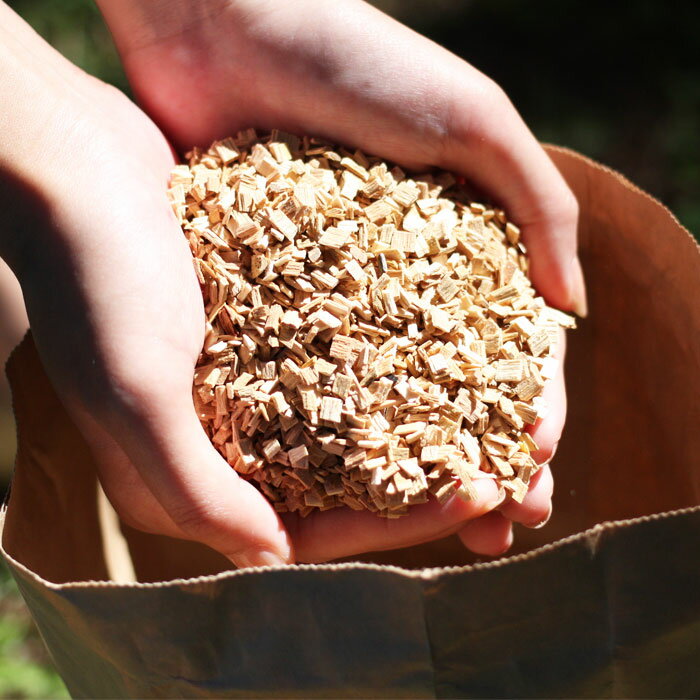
<point x="25" y="669"/>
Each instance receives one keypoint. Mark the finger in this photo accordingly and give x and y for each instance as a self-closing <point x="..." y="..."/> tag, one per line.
<point x="342" y="532"/>
<point x="547" y="431"/>
<point x="536" y="507"/>
<point x="13" y="317"/>
<point x="491" y="535"/>
<point x="200" y="493"/>
<point x="121" y="482"/>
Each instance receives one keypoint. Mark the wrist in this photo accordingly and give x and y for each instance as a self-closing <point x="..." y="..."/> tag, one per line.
<point x="32" y="135"/>
<point x="136" y="24"/>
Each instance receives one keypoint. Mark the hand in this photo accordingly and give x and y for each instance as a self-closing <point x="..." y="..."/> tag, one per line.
<point x="118" y="319"/>
<point x="112" y="298"/>
<point x="346" y="71"/>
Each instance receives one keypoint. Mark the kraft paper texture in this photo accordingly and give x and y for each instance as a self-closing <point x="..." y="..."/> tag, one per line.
<point x="602" y="602"/>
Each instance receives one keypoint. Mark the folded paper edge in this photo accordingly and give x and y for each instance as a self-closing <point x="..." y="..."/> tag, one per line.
<point x="426" y="574"/>
<point x="8" y="493"/>
<point x="623" y="180"/>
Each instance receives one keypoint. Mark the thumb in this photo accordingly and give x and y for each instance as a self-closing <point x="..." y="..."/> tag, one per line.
<point x="493" y="147"/>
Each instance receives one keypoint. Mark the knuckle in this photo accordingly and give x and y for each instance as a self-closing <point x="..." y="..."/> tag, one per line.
<point x="557" y="208"/>
<point x="492" y="112"/>
<point x="136" y="396"/>
<point x="134" y="513"/>
<point x="135" y="521"/>
<point x="469" y="117"/>
<point x="492" y="95"/>
<point x="197" y="519"/>
<point x="133" y="402"/>
<point x="565" y="207"/>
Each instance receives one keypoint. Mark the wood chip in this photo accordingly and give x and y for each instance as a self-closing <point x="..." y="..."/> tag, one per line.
<point x="371" y="342"/>
<point x="331" y="410"/>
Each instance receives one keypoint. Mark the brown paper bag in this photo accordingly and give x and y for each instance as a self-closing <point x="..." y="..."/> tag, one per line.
<point x="603" y="602"/>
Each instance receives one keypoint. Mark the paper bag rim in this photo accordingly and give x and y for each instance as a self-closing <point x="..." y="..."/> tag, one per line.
<point x="623" y="180"/>
<point x="427" y="574"/>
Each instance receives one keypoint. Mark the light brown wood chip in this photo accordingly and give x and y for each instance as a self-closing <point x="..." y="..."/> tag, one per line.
<point x="372" y="340"/>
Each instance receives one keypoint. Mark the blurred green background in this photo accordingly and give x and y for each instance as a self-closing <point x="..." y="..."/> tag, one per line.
<point x="618" y="81"/>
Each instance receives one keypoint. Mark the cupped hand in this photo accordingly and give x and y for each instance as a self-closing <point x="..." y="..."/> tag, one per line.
<point x="345" y="71"/>
<point x="118" y="319"/>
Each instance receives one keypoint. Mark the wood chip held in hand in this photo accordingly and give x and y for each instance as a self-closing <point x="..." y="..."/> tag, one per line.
<point x="372" y="338"/>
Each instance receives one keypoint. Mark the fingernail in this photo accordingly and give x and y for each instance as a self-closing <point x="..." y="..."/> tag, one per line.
<point x="543" y="522"/>
<point x="489" y="493"/>
<point x="554" y="452"/>
<point x="256" y="558"/>
<point x="509" y="541"/>
<point x="544" y="464"/>
<point x="550" y="457"/>
<point x="578" y="289"/>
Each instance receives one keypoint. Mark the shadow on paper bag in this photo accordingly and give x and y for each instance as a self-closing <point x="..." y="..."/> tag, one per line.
<point x="603" y="602"/>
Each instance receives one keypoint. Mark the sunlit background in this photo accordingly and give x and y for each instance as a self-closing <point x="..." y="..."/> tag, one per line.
<point x="618" y="81"/>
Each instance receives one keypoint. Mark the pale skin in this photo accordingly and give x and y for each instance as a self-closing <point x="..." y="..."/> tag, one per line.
<point x="107" y="278"/>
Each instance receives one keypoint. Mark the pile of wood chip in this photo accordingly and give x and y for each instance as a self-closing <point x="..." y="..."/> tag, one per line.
<point x="370" y="341"/>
